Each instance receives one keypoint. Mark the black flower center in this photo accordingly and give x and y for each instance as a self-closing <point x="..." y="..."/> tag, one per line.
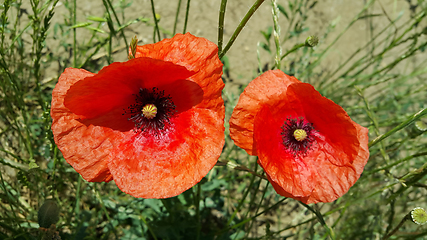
<point x="151" y="111"/>
<point x="298" y="136"/>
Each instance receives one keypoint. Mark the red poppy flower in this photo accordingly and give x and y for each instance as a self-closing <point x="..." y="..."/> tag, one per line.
<point x="308" y="146"/>
<point x="154" y="124"/>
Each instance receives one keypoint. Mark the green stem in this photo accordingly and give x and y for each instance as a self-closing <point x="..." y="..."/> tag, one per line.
<point x="407" y="217"/>
<point x="176" y="17"/>
<point x="276" y="34"/>
<point x="155" y="22"/>
<point x="239" y="28"/>
<point x="186" y="16"/>
<point x="98" y="195"/>
<point x="148" y="226"/>
<point x="296" y="47"/>
<point x="76" y="208"/>
<point x="221" y="24"/>
<point x="197" y="204"/>
<point x="410" y="120"/>
<point x="321" y="220"/>
<point x="74" y="34"/>
<point x="118" y="22"/>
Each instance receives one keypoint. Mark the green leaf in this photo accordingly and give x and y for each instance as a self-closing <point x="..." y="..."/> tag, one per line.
<point x="80" y="25"/>
<point x="283" y="11"/>
<point x="95" y="29"/>
<point x="96" y="19"/>
<point x="32" y="165"/>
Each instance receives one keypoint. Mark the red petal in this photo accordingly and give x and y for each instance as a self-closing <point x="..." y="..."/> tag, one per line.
<point x="198" y="55"/>
<point x="113" y="87"/>
<point x="295" y="176"/>
<point x="262" y="90"/>
<point x="165" y="167"/>
<point x="340" y="142"/>
<point x="333" y="163"/>
<point x="85" y="149"/>
<point x="333" y="181"/>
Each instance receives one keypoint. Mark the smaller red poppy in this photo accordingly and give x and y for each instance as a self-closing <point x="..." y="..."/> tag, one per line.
<point x="308" y="146"/>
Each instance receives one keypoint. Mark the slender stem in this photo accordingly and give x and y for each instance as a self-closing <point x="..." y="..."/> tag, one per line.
<point x="111" y="33"/>
<point x="176" y="17"/>
<point x="321" y="220"/>
<point x="296" y="47"/>
<point x="322" y="54"/>
<point x="118" y="22"/>
<point x="148" y="226"/>
<point x="197" y="204"/>
<point x="410" y="120"/>
<point x="239" y="28"/>
<point x="98" y="195"/>
<point x="242" y="200"/>
<point x="276" y="34"/>
<point x="74" y="34"/>
<point x="11" y="200"/>
<point x="155" y="22"/>
<point x="186" y="16"/>
<point x="221" y="24"/>
<point x="407" y="217"/>
<point x="238" y="167"/>
<point x="76" y="208"/>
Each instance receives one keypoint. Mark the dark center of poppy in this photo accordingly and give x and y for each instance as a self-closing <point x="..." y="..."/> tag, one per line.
<point x="151" y="111"/>
<point x="297" y="135"/>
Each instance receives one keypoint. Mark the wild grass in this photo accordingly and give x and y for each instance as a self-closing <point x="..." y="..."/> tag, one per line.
<point x="382" y="85"/>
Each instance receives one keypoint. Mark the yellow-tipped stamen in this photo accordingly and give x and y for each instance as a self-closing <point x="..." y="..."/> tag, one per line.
<point x="300" y="134"/>
<point x="149" y="111"/>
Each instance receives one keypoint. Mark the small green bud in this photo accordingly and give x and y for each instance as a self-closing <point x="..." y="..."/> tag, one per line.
<point x="48" y="213"/>
<point x="421" y="125"/>
<point x="133" y="45"/>
<point x="311" y="41"/>
<point x="419" y="216"/>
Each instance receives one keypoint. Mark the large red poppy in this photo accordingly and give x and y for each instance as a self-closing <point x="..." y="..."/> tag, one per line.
<point x="154" y="124"/>
<point x="308" y="146"/>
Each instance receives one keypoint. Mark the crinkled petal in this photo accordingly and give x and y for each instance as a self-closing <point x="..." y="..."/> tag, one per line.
<point x="340" y="141"/>
<point x="295" y="176"/>
<point x="115" y="85"/>
<point x="330" y="166"/>
<point x="92" y="130"/>
<point x="196" y="54"/>
<point x="331" y="181"/>
<point x="86" y="148"/>
<point x="262" y="90"/>
<point x="167" y="166"/>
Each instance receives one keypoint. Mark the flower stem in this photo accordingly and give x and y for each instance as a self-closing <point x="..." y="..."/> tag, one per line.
<point x="238" y="167"/>
<point x="410" y="120"/>
<point x="155" y="22"/>
<point x="296" y="47"/>
<point x="118" y="22"/>
<point x="239" y="28"/>
<point x="221" y="24"/>
<point x="407" y="217"/>
<point x="186" y="16"/>
<point x="276" y="34"/>
<point x="321" y="220"/>
<point x="197" y="204"/>
<point x="74" y="34"/>
<point x="176" y="17"/>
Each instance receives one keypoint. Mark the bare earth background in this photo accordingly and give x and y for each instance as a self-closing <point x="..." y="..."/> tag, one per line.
<point x="203" y="22"/>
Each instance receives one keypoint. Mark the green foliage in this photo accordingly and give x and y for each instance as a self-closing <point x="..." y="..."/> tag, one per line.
<point x="381" y="85"/>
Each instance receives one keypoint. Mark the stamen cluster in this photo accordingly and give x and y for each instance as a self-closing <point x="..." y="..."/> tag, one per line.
<point x="165" y="110"/>
<point x="300" y="146"/>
